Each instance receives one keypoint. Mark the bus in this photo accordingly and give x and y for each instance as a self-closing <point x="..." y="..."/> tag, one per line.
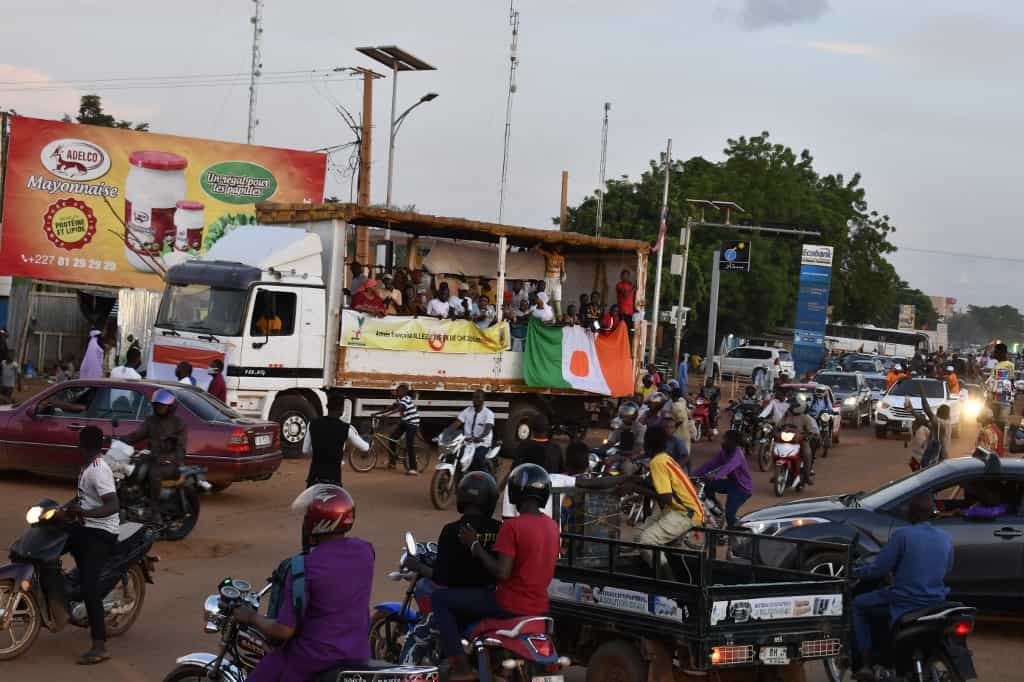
<point x="900" y="343"/>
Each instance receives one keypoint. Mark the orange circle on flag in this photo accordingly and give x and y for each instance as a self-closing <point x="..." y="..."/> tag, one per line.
<point x="579" y="364"/>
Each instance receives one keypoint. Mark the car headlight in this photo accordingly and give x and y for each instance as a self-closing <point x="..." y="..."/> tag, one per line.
<point x="851" y="401"/>
<point x="972" y="408"/>
<point x="879" y="405"/>
<point x="776" y="526"/>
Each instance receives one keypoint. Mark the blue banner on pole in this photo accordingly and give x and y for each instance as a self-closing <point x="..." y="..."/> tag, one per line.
<point x="812" y="308"/>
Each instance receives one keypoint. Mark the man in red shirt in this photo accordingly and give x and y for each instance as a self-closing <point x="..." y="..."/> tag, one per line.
<point x="625" y="295"/>
<point x="368" y="301"/>
<point x="217" y="388"/>
<point x="523" y="564"/>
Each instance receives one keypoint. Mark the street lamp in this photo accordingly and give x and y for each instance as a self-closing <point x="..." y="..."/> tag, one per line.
<point x="397" y="60"/>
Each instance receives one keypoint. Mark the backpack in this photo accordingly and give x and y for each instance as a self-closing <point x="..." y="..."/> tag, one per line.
<point x="296" y="566"/>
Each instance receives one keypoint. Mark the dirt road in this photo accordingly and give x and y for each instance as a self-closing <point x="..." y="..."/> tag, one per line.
<point x="246" y="530"/>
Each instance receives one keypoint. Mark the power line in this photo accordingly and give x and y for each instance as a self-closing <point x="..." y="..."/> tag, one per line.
<point x="196" y="84"/>
<point x="202" y="76"/>
<point x="954" y="254"/>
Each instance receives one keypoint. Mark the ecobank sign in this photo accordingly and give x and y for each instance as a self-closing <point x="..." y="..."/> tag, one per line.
<point x="816" y="255"/>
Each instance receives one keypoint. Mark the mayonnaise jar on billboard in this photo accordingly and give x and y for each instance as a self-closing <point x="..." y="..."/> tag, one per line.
<point x="155" y="185"/>
<point x="188" y="226"/>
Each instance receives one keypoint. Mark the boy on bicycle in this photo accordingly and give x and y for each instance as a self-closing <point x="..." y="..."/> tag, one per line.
<point x="408" y="426"/>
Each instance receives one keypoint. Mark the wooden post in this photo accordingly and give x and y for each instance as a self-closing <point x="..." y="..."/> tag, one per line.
<point x="565" y="200"/>
<point x="363" y="253"/>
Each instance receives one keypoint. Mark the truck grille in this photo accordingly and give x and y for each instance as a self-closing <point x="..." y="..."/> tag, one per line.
<point x="820" y="648"/>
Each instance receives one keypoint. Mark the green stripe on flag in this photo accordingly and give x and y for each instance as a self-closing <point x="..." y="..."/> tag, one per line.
<point x="542" y="358"/>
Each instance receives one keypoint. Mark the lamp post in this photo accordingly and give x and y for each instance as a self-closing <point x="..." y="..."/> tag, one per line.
<point x="397" y="60"/>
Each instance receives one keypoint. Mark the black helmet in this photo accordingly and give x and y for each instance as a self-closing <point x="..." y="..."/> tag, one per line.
<point x="529" y="481"/>
<point x="477" y="489"/>
<point x="628" y="410"/>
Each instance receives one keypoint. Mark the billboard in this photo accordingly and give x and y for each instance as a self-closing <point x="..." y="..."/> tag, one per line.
<point x="96" y="205"/>
<point x="735" y="255"/>
<point x="812" y="308"/>
<point x="907" y="317"/>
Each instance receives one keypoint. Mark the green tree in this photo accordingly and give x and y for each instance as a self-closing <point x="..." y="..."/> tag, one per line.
<point x="983" y="324"/>
<point x="775" y="185"/>
<point x="90" y="112"/>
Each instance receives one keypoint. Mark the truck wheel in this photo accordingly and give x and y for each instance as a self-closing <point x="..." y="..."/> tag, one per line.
<point x="617" y="661"/>
<point x="293" y="413"/>
<point x="517" y="428"/>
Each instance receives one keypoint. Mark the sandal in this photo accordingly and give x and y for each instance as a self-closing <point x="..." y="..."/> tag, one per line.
<point x="92" y="657"/>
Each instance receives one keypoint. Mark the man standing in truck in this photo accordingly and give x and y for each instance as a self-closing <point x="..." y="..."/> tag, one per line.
<point x="554" y="275"/>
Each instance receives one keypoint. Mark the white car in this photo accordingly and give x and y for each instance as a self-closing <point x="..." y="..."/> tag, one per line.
<point x="745" y="360"/>
<point x="892" y="415"/>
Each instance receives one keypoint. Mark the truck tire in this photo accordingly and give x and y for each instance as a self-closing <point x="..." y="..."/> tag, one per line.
<point x="293" y="413"/>
<point x="517" y="428"/>
<point x="617" y="661"/>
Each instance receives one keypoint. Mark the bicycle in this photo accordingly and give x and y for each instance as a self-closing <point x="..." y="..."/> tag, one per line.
<point x="382" y="443"/>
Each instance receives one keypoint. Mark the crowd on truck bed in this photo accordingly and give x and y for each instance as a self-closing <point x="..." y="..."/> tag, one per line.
<point x="419" y="293"/>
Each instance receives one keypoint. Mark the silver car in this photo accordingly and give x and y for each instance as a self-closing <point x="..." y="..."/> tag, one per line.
<point x="853" y="394"/>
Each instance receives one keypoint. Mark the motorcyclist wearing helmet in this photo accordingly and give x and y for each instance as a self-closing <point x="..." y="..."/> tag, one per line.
<point x="820" y="403"/>
<point x="523" y="565"/>
<point x="475" y="498"/>
<point x="623" y="435"/>
<point x="990" y="436"/>
<point x="336" y="617"/>
<point x="806" y="428"/>
<point x="164" y="433"/>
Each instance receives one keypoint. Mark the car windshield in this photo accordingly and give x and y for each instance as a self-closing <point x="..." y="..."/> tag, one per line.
<point x="839" y="382"/>
<point x="201" y="308"/>
<point x="862" y="367"/>
<point x="876" y="383"/>
<point x="901" y="487"/>
<point x="204" y="407"/>
<point x="911" y="387"/>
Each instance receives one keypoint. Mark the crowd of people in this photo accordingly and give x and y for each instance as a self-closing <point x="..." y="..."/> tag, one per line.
<point x="418" y="293"/>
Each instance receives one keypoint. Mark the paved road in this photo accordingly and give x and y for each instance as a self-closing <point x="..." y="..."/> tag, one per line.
<point x="246" y="530"/>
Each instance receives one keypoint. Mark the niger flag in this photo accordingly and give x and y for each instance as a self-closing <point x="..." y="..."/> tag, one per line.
<point x="576" y="358"/>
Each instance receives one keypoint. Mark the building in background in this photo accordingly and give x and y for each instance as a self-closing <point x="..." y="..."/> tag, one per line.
<point x="943" y="307"/>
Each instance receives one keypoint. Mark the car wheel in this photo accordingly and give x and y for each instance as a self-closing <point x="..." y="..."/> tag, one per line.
<point x="831" y="564"/>
<point x="880" y="432"/>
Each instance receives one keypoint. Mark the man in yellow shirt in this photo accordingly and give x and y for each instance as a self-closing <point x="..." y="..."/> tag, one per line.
<point x="679" y="509"/>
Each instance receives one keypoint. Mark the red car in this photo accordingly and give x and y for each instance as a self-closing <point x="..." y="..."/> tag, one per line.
<point x="41" y="434"/>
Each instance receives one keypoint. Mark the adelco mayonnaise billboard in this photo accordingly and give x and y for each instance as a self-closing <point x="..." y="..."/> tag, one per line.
<point x="99" y="205"/>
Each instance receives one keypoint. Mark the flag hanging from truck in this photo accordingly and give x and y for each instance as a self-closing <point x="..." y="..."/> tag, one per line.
<point x="575" y="358"/>
<point x="425" y="334"/>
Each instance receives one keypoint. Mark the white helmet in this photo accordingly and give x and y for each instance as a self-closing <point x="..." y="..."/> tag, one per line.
<point x="949" y="368"/>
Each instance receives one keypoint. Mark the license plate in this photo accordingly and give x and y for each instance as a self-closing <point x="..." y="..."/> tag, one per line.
<point x="549" y="678"/>
<point x="773" y="655"/>
<point x="263" y="441"/>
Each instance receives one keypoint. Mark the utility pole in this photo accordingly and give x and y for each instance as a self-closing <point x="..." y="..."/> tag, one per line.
<point x="365" y="136"/>
<point x="513" y="19"/>
<point x="659" y="245"/>
<point x="562" y="208"/>
<point x="684" y="241"/>
<point x="601" y="180"/>
<point x="257" y="67"/>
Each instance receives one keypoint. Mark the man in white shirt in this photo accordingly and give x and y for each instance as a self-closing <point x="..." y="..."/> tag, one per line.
<point x="130" y="368"/>
<point x="438" y="306"/>
<point x="183" y="373"/>
<point x="92" y="542"/>
<point x="460" y="304"/>
<point x="477" y="424"/>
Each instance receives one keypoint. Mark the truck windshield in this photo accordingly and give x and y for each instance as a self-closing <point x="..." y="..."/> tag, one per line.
<point x="201" y="308"/>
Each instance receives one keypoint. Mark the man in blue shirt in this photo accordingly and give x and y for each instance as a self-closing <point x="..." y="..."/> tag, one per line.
<point x="819" y="403"/>
<point x="919" y="556"/>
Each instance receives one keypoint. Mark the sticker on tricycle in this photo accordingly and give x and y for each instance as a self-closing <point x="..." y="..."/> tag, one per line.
<point x="618" y="599"/>
<point x="776" y="608"/>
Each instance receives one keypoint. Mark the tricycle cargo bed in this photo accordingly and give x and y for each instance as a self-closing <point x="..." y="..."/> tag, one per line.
<point x="721" y="613"/>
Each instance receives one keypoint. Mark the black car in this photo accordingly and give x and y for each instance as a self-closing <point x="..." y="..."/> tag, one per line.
<point x="988" y="570"/>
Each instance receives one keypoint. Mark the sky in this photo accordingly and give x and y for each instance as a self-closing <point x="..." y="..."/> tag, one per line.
<point x="923" y="98"/>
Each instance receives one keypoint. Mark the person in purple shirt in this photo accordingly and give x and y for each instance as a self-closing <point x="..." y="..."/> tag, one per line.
<point x="339" y="580"/>
<point x="728" y="473"/>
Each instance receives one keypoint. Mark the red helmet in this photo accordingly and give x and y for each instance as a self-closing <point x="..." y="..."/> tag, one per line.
<point x="329" y="510"/>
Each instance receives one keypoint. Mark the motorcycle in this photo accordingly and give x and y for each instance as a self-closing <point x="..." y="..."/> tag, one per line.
<point x="924" y="645"/>
<point x="393" y="628"/>
<point x="1015" y="443"/>
<point x="499" y="647"/>
<point x="821" y="443"/>
<point x="788" y="462"/>
<point x="35" y="592"/>
<point x="454" y="460"/>
<point x="700" y="415"/>
<point x="714" y="513"/>
<point x="761" y="445"/>
<point x="179" y="499"/>
<point x="242" y="646"/>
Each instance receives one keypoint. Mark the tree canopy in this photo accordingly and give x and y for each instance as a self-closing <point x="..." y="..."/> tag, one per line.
<point x="90" y="112"/>
<point x="776" y="186"/>
<point x="982" y="324"/>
